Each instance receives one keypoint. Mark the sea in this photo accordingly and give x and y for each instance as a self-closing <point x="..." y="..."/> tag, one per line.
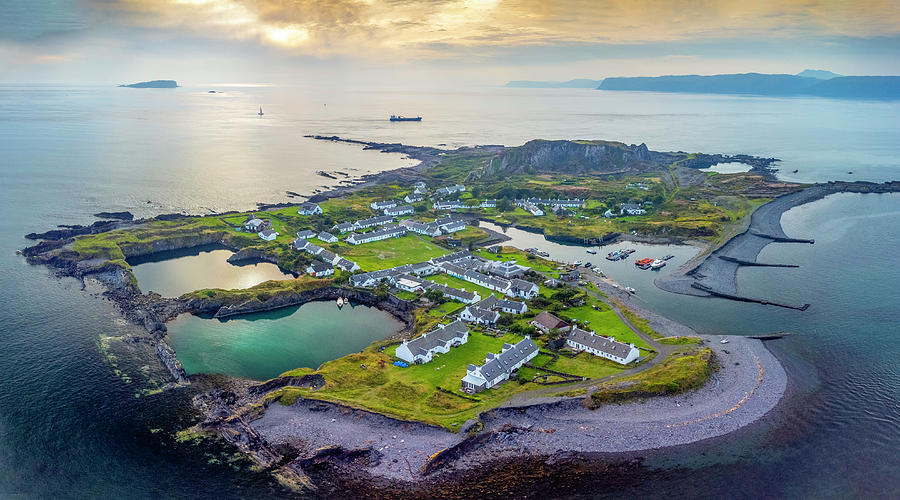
<point x="85" y="415"/>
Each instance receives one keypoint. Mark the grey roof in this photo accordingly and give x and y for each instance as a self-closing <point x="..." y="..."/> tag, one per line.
<point x="519" y="284"/>
<point x="483" y="315"/>
<point x="438" y="337"/>
<point x="490" y="281"/>
<point x="325" y="235"/>
<point x="451" y="257"/>
<point x="327" y="255"/>
<point x="495" y="365"/>
<point x="308" y="206"/>
<point x="344" y="226"/>
<point x="594" y="341"/>
<point x="399" y="209"/>
<point x="373" y="221"/>
<point x="381" y="232"/>
<point x="452" y="292"/>
<point x="630" y="206"/>
<point x="306" y="233"/>
<point x="345" y="264"/>
<point x="267" y="232"/>
<point x="492" y="302"/>
<point x="313" y="248"/>
<point x="319" y="266"/>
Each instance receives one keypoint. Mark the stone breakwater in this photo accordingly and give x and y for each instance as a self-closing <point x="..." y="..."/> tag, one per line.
<point x="401" y="454"/>
<point x="716" y="275"/>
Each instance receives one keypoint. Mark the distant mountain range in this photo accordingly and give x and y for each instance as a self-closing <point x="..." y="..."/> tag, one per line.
<point x="821" y="74"/>
<point x="578" y="83"/>
<point x="847" y="87"/>
<point x="810" y="82"/>
<point x="154" y="84"/>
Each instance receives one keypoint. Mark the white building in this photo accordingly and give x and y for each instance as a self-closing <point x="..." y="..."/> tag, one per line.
<point x="479" y="316"/>
<point x="327" y="237"/>
<point x="523" y="289"/>
<point x="489" y="204"/>
<point x="632" y="209"/>
<point x="381" y="234"/>
<point x="381" y="205"/>
<point x="379" y="220"/>
<point x="604" y="347"/>
<point x="447" y="191"/>
<point x="346" y="265"/>
<point x="309" y="209"/>
<point x="430" y="229"/>
<point x="508" y="306"/>
<point x="306" y="233"/>
<point x="498" y="367"/>
<point x="399" y="210"/>
<point x="413" y="198"/>
<point x="320" y="269"/>
<point x="448" y="205"/>
<point x="422" y="349"/>
<point x="255" y="225"/>
<point x="268" y="235"/>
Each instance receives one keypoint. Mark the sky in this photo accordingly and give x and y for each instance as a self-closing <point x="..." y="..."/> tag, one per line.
<point x="432" y="42"/>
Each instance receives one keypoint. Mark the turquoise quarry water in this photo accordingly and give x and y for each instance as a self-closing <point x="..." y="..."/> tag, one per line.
<point x="174" y="273"/>
<point x="264" y="345"/>
<point x="70" y="426"/>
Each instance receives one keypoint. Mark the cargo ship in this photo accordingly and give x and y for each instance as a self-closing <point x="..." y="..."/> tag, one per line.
<point x="400" y="118"/>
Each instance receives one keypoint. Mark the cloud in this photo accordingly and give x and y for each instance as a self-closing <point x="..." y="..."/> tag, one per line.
<point x="439" y="28"/>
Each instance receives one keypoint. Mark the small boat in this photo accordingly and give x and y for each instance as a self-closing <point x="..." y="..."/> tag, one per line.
<point x="577" y="263"/>
<point x="629" y="289"/>
<point x="340" y="302"/>
<point x="723" y="341"/>
<point x="542" y="254"/>
<point x="590" y="251"/>
<point x="667" y="257"/>
<point x="400" y="118"/>
<point x="630" y="251"/>
<point x="260" y="111"/>
<point x="588" y="265"/>
<point x="657" y="264"/>
<point x="644" y="263"/>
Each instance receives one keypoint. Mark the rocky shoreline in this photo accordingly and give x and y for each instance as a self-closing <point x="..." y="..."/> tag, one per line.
<point x="413" y="457"/>
<point x="716" y="274"/>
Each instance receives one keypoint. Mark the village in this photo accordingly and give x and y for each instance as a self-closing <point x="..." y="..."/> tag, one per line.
<point x="477" y="292"/>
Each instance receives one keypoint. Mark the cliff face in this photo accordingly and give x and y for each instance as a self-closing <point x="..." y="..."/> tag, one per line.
<point x="576" y="157"/>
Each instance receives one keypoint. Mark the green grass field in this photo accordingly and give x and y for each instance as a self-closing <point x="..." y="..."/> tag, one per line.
<point x="603" y="322"/>
<point x="462" y="284"/>
<point x="392" y="252"/>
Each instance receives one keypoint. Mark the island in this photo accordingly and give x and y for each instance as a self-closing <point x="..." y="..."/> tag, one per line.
<point x="153" y="84"/>
<point x="504" y="356"/>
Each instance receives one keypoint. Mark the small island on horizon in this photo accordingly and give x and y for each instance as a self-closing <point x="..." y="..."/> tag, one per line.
<point x="152" y="84"/>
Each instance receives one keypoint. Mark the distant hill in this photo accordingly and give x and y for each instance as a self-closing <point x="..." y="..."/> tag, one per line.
<point x="578" y="83"/>
<point x="821" y="74"/>
<point x="844" y="87"/>
<point x="155" y="84"/>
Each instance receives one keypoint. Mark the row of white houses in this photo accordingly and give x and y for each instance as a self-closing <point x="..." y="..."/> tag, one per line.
<point x="497" y="368"/>
<point x="422" y="349"/>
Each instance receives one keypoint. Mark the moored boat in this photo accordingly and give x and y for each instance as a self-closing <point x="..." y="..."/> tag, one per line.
<point x="590" y="251"/>
<point x="644" y="263"/>
<point x="657" y="264"/>
<point x="340" y="302"/>
<point x="667" y="257"/>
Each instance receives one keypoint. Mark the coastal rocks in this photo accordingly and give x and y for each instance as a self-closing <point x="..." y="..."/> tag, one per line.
<point x="100" y="226"/>
<point x="576" y="157"/>
<point x="253" y="254"/>
<point x="311" y="381"/>
<point x="115" y="215"/>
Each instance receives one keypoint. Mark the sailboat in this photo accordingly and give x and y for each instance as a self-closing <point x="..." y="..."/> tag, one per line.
<point x="260" y="111"/>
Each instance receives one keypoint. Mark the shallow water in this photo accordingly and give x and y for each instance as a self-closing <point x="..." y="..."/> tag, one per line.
<point x="172" y="274"/>
<point x="264" y="345"/>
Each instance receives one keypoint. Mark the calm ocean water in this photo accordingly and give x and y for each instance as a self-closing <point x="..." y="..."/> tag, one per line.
<point x="71" y="424"/>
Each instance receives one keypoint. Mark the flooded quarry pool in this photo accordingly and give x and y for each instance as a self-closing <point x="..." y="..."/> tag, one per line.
<point x="172" y="274"/>
<point x="264" y="345"/>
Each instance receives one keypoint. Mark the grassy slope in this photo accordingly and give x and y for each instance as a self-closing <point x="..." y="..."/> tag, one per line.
<point x="410" y="393"/>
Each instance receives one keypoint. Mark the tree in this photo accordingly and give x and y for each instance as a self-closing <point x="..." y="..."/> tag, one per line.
<point x="504" y="205"/>
<point x="436" y="296"/>
<point x="382" y="290"/>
